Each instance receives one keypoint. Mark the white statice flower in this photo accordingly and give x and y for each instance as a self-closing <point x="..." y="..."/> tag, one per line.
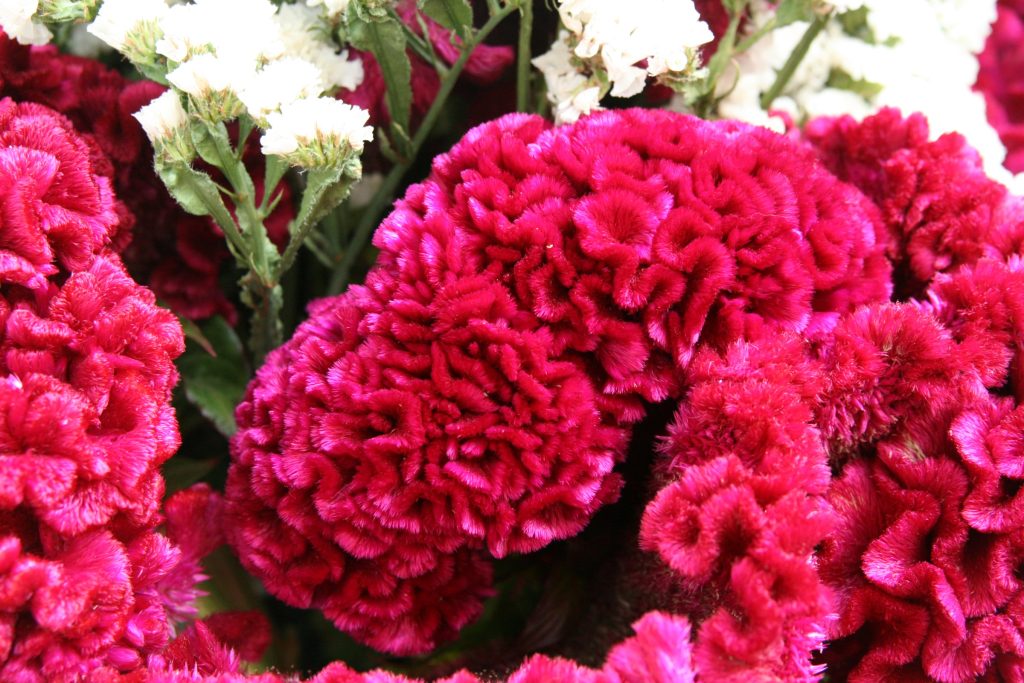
<point x="334" y="8"/>
<point x="163" y="117"/>
<point x="922" y="59"/>
<point x="166" y="124"/>
<point x="237" y="30"/>
<point x="571" y="92"/>
<point x="317" y="132"/>
<point x="616" y="45"/>
<point x="278" y="83"/>
<point x="18" y="22"/>
<point x="305" y="35"/>
<point x="131" y="27"/>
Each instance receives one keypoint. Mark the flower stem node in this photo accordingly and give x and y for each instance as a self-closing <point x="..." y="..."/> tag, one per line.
<point x="67" y="11"/>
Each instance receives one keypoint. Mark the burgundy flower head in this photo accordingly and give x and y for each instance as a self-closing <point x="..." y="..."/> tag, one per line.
<point x="86" y="373"/>
<point x="937" y="203"/>
<point x="1001" y="80"/>
<point x="739" y="522"/>
<point x="472" y="395"/>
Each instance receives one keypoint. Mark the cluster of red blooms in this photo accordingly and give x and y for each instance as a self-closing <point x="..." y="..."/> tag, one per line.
<point x="472" y="398"/>
<point x="178" y="255"/>
<point x="1001" y="80"/>
<point x="86" y="372"/>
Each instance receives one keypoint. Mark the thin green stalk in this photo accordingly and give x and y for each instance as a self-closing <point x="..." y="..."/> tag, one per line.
<point x="797" y="56"/>
<point x="414" y="40"/>
<point x="339" y="279"/>
<point x="523" y="65"/>
<point x="757" y="35"/>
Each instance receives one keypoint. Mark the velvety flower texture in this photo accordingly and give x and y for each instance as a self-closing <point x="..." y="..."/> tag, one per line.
<point x="1001" y="80"/>
<point x="938" y="205"/>
<point x="658" y="653"/>
<point x="739" y="523"/>
<point x="86" y="371"/>
<point x="472" y="398"/>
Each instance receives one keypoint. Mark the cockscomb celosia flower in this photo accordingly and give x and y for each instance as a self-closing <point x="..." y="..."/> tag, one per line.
<point x="86" y="373"/>
<point x="739" y="523"/>
<point x="57" y="212"/>
<point x="472" y="393"/>
<point x="924" y="557"/>
<point x="1001" y="80"/>
<point x="883" y="364"/>
<point x="657" y="653"/>
<point x="937" y="202"/>
<point x="983" y="308"/>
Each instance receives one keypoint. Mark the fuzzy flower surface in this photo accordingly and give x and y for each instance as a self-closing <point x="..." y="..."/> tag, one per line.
<point x="471" y="398"/>
<point x="86" y="373"/>
<point x="1001" y="82"/>
<point x="315" y="132"/>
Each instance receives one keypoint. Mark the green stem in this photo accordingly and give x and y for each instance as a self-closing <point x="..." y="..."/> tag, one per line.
<point x="523" y="65"/>
<point x="797" y="56"/>
<point x="414" y="40"/>
<point x="757" y="35"/>
<point x="339" y="279"/>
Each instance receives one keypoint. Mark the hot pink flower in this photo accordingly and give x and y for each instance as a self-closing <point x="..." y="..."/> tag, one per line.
<point x="1001" y="80"/>
<point x="924" y="558"/>
<point x="937" y="202"/>
<point x="740" y="523"/>
<point x="471" y="393"/>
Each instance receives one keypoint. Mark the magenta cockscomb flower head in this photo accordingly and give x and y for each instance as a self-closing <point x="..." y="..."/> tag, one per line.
<point x="86" y="373"/>
<point x="57" y="211"/>
<point x="1001" y="80"/>
<point x="924" y="558"/>
<point x="937" y="202"/>
<point x="983" y="308"/>
<point x="739" y="522"/>
<point x="883" y="364"/>
<point x="471" y="396"/>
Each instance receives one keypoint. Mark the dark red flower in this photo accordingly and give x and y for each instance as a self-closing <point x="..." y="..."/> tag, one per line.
<point x="1001" y="80"/>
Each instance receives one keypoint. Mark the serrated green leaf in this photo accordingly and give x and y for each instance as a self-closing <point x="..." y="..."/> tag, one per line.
<point x="790" y="11"/>
<point x="456" y="15"/>
<point x="384" y="38"/>
<point x="215" y="384"/>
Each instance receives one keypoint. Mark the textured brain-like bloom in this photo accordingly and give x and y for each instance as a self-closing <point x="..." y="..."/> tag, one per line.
<point x="472" y="397"/>
<point x="1001" y="80"/>
<point x="86" y="373"/>
<point x="939" y="206"/>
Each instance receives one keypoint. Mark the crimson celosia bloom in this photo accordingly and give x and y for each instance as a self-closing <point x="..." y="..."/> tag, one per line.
<point x="86" y="372"/>
<point x="471" y="395"/>
<point x="939" y="206"/>
<point x="1001" y="80"/>
<point x="658" y="653"/>
<point x="739" y="523"/>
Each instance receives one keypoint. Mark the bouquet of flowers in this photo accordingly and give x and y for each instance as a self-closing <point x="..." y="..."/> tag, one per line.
<point x="396" y="341"/>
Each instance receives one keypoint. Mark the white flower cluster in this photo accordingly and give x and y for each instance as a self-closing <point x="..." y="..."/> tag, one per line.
<point x="618" y="45"/>
<point x="917" y="55"/>
<point x="235" y="56"/>
<point x="17" y="18"/>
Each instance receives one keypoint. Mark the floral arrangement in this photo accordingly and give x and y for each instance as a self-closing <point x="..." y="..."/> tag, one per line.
<point x="695" y="353"/>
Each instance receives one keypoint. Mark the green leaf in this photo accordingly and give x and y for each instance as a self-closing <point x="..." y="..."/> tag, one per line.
<point x="790" y="11"/>
<point x="384" y="38"/>
<point x="841" y="80"/>
<point x="180" y="472"/>
<point x="456" y="15"/>
<point x="200" y="196"/>
<point x="216" y="383"/>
